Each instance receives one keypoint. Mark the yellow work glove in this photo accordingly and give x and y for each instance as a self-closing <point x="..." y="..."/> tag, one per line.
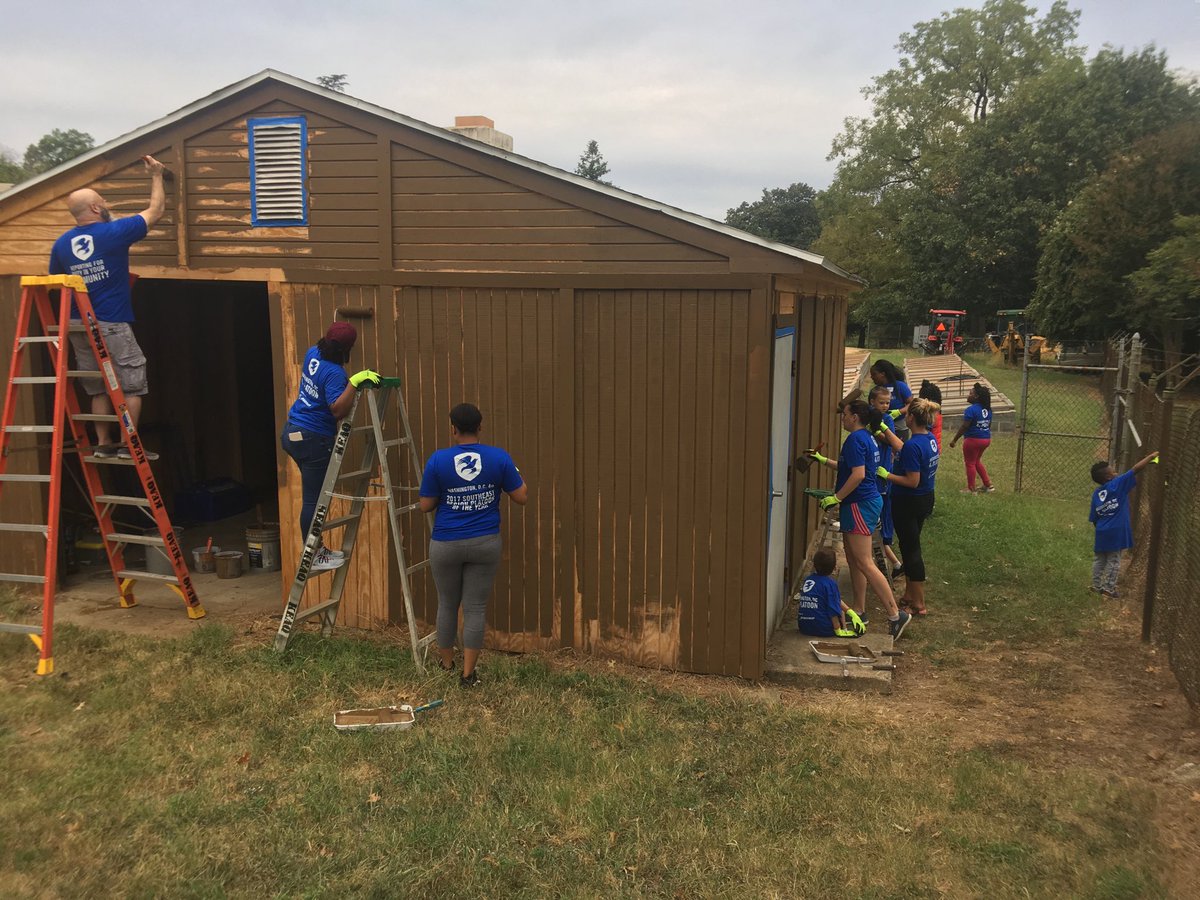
<point x="882" y="473"/>
<point x="816" y="454"/>
<point x="829" y="501"/>
<point x="367" y="377"/>
<point x="895" y="413"/>
<point x="844" y="633"/>
<point x="856" y="623"/>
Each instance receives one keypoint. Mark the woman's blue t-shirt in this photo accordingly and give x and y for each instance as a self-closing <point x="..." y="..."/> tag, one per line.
<point x="900" y="393"/>
<point x="321" y="383"/>
<point x="979" y="419"/>
<point x="1110" y="513"/>
<point x="820" y="602"/>
<point x="859" y="449"/>
<point x="467" y="481"/>
<point x="885" y="455"/>
<point x="920" y="454"/>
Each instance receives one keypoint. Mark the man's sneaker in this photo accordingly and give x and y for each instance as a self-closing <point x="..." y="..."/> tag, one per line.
<point x="104" y="451"/>
<point x="897" y="627"/>
<point x="1111" y="594"/>
<point x="990" y="489"/>
<point x="898" y="572"/>
<point x="124" y="453"/>
<point x="324" y="561"/>
<point x="469" y="680"/>
<point x="336" y="554"/>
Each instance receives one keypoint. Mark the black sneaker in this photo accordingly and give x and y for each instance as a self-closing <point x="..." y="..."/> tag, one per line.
<point x="468" y="680"/>
<point x="898" y="572"/>
<point x="104" y="451"/>
<point x="124" y="453"/>
<point x="897" y="627"/>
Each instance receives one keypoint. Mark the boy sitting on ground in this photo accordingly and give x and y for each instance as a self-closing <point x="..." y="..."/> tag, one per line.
<point x="822" y="612"/>
<point x="1110" y="515"/>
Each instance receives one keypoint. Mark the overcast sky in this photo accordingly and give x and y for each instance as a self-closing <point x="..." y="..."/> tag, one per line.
<point x="698" y="104"/>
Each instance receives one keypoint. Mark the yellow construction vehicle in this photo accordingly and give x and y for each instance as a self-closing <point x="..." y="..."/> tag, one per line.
<point x="1012" y="336"/>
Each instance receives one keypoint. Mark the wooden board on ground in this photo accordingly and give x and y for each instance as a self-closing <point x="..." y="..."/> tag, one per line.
<point x="955" y="378"/>
<point x="854" y="369"/>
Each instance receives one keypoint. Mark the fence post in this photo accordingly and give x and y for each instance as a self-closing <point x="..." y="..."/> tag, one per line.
<point x="1133" y="380"/>
<point x="1022" y="420"/>
<point x="1116" y="436"/>
<point x="1158" y="485"/>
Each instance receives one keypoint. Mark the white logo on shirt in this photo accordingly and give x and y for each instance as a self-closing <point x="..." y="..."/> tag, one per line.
<point x="83" y="246"/>
<point x="468" y="466"/>
<point x="313" y="365"/>
<point x="809" y="584"/>
<point x="1103" y="495"/>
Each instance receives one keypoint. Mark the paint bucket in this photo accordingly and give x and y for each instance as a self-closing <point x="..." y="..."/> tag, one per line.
<point x="205" y="559"/>
<point x="156" y="557"/>
<point x="229" y="564"/>
<point x="263" y="544"/>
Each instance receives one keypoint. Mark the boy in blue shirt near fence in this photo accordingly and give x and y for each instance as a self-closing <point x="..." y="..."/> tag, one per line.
<point x="1110" y="515"/>
<point x="822" y="612"/>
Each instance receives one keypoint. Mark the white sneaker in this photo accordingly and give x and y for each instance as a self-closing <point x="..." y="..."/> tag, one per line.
<point x="325" y="561"/>
<point x="336" y="554"/>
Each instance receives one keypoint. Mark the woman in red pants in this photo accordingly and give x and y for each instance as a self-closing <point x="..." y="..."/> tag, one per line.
<point x="976" y="430"/>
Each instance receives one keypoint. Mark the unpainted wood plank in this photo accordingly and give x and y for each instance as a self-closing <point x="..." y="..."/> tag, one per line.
<point x="505" y="198"/>
<point x="482" y="231"/>
<point x="600" y="253"/>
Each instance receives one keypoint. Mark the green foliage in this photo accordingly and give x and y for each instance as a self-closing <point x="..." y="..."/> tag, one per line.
<point x="1166" y="291"/>
<point x="1107" y="234"/>
<point x="788" y="215"/>
<point x="11" y="170"/>
<point x="592" y="164"/>
<point x="56" y="148"/>
<point x="337" y="83"/>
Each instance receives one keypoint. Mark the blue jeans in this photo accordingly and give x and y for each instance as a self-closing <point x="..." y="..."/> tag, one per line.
<point x="311" y="453"/>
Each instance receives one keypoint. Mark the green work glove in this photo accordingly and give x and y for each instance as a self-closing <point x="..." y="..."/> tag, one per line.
<point x="844" y="633"/>
<point x="879" y="430"/>
<point x="895" y="413"/>
<point x="367" y="377"/>
<point x="829" y="501"/>
<point x="1155" y="460"/>
<point x="856" y="623"/>
<point x="816" y="454"/>
<point x="882" y="473"/>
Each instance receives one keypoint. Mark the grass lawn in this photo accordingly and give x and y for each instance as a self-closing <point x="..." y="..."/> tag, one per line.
<point x="1002" y="767"/>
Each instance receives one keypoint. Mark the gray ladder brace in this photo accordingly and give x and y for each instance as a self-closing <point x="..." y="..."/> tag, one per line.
<point x="359" y="483"/>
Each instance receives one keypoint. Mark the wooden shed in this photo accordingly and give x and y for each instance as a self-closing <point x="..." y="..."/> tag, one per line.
<point x="651" y="371"/>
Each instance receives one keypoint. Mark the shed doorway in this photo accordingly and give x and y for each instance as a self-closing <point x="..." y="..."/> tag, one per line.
<point x="782" y="385"/>
<point x="210" y="412"/>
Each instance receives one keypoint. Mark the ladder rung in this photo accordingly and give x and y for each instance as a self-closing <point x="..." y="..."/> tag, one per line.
<point x="43" y="530"/>
<point x="149" y="540"/>
<point x="418" y="567"/>
<point x="337" y="523"/>
<point x="77" y="329"/>
<point x="34" y="379"/>
<point x="396" y="443"/>
<point x="95" y="417"/>
<point x="118" y="500"/>
<point x="409" y="508"/>
<point x="14" y="628"/>
<point x="109" y="461"/>
<point x="357" y="473"/>
<point x="29" y="429"/>
<point x="137" y="574"/>
<point x="53" y="339"/>
<point x="358" y="428"/>
<point x="315" y="610"/>
<point x="44" y="479"/>
<point x="23" y="579"/>
<point x="405" y="487"/>
<point x="83" y="373"/>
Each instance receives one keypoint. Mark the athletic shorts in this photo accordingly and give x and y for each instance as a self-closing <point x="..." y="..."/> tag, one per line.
<point x="887" y="530"/>
<point x="127" y="357"/>
<point x="861" y="517"/>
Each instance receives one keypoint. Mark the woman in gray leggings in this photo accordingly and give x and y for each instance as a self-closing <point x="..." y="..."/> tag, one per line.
<point x="464" y="483"/>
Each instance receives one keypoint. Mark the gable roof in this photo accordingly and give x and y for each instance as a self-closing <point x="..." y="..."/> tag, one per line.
<point x="268" y="75"/>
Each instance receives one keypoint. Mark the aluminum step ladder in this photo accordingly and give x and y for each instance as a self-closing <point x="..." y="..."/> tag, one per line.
<point x="359" y="488"/>
<point x="68" y="433"/>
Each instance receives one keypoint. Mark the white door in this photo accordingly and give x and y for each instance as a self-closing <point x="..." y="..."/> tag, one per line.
<point x="781" y="461"/>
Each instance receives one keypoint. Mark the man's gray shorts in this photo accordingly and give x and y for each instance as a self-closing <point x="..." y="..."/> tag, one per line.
<point x="128" y="359"/>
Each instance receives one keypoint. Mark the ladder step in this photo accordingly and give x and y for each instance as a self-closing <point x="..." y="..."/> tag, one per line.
<point x="44" y="479"/>
<point x="95" y="417"/>
<point x="14" y="628"/>
<point x="109" y="461"/>
<point x="396" y="443"/>
<point x="38" y="340"/>
<point x="357" y="473"/>
<point x="83" y="373"/>
<point x="139" y="575"/>
<point x="358" y="428"/>
<point x="29" y="429"/>
<point x="77" y="329"/>
<point x="401" y="510"/>
<point x="338" y="522"/>
<point x="43" y="530"/>
<point x="23" y="579"/>
<point x="149" y="540"/>
<point x="315" y="610"/>
<point x="34" y="379"/>
<point x="405" y="487"/>
<point x="117" y="500"/>
<point x="418" y="567"/>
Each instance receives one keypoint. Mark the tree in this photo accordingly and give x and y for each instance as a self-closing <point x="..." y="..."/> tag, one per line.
<point x="11" y="171"/>
<point x="333" y="82"/>
<point x="54" y="149"/>
<point x="1166" y="291"/>
<point x="1107" y="234"/>
<point x="592" y="164"/>
<point x="788" y="215"/>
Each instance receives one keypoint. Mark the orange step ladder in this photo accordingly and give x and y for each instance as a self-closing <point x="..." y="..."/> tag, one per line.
<point x="69" y="434"/>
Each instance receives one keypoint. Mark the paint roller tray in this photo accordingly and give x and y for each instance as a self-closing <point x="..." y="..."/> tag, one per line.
<point x="380" y="718"/>
<point x="830" y="652"/>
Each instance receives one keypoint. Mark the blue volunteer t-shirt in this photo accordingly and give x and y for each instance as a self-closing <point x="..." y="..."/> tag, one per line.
<point x="885" y="455"/>
<point x="859" y="449"/>
<point x="321" y="382"/>
<point x="99" y="254"/>
<point x="900" y="393"/>
<point x="820" y="602"/>
<point x="1110" y="513"/>
<point x="980" y="421"/>
<point x="467" y="480"/>
<point x="920" y="454"/>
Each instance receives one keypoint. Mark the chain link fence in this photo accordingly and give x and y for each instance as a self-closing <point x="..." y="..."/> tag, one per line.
<point x="1065" y="419"/>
